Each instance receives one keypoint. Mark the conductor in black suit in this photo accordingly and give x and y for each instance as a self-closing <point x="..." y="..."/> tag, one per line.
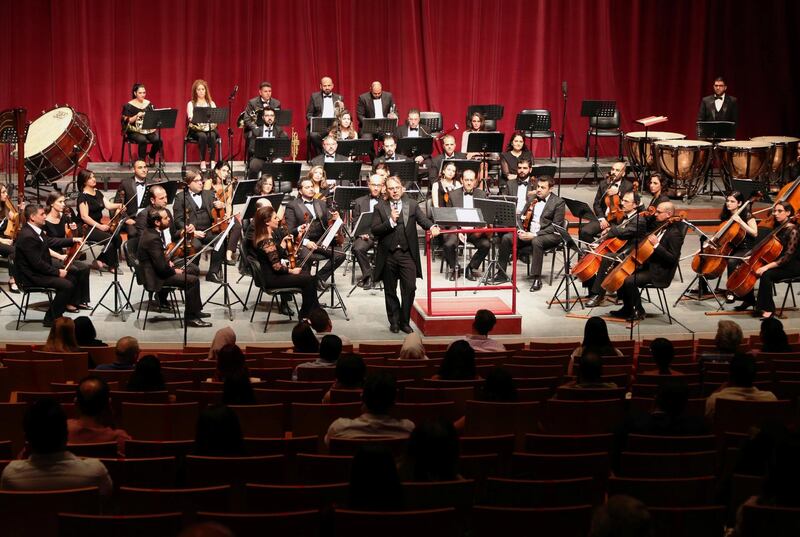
<point x="198" y="204"/>
<point x="720" y="106"/>
<point x="329" y="154"/>
<point x="465" y="197"/>
<point x="394" y="225"/>
<point x="322" y="103"/>
<point x="375" y="103"/>
<point x="363" y="243"/>
<point x="614" y="183"/>
<point x="268" y="130"/>
<point x="34" y="266"/>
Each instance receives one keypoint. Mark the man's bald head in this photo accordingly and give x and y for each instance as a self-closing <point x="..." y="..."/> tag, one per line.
<point x="92" y="397"/>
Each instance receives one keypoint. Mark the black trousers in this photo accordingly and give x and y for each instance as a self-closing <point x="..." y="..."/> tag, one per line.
<point x="765" y="300"/>
<point x="68" y="290"/>
<point x="360" y="249"/>
<point x="450" y="246"/>
<point x="111" y="256"/>
<point x="335" y="258"/>
<point x="304" y="281"/>
<point x="589" y="230"/>
<point x="399" y="266"/>
<point x="631" y="299"/>
<point x="190" y="284"/>
<point x="217" y="256"/>
<point x="538" y="245"/>
<point x="204" y="141"/>
<point x="84" y="287"/>
<point x="142" y="140"/>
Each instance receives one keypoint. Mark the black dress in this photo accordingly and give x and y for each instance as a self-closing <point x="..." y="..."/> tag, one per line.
<point x="138" y="138"/>
<point x="58" y="231"/>
<point x="277" y="275"/>
<point x="96" y="205"/>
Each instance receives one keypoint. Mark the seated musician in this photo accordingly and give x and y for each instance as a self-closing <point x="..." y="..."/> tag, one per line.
<point x="658" y="190"/>
<point x="206" y="134"/>
<point x="268" y="130"/>
<point x="9" y="225"/>
<point x="615" y="183"/>
<point x="546" y="210"/>
<point x="57" y="220"/>
<point x="658" y="269"/>
<point x="223" y="188"/>
<point x="198" y="220"/>
<point x="342" y="129"/>
<point x="133" y="113"/>
<point x="515" y="150"/>
<point x="390" y="153"/>
<point x="363" y="243"/>
<point x="329" y="154"/>
<point x="322" y="188"/>
<point x="449" y="153"/>
<point x="90" y="208"/>
<point x="632" y="227"/>
<point x="157" y="271"/>
<point x="440" y="190"/>
<point x="269" y="247"/>
<point x="264" y="186"/>
<point x="158" y="200"/>
<point x="35" y="266"/>
<point x="523" y="186"/>
<point x="130" y="188"/>
<point x="413" y="129"/>
<point x="319" y="215"/>
<point x="464" y="197"/>
<point x="786" y="266"/>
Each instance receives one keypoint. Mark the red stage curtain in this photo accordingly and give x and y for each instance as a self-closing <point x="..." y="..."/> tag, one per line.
<point x="652" y="57"/>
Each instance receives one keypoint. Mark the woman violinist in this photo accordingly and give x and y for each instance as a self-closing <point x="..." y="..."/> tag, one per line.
<point x="223" y="191"/>
<point x="320" y="179"/>
<point x="447" y="182"/>
<point x="9" y="225"/>
<point x="90" y="208"/>
<point x="58" y="224"/>
<point x="269" y="245"/>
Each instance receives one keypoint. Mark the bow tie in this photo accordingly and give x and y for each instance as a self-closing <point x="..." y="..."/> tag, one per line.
<point x="327" y="96"/>
<point x="468" y="193"/>
<point x="523" y="183"/>
<point x="413" y="129"/>
<point x="719" y="98"/>
<point x="308" y="202"/>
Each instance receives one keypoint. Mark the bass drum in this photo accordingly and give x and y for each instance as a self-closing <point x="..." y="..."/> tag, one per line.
<point x="743" y="159"/>
<point x="684" y="162"/>
<point x="57" y="141"/>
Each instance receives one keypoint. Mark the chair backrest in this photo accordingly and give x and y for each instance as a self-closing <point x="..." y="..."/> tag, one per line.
<point x="95" y="450"/>
<point x="209" y="471"/>
<point x="315" y="418"/>
<point x="316" y="468"/>
<point x="538" y="493"/>
<point x="490" y="418"/>
<point x="731" y="415"/>
<point x="259" y="421"/>
<point x="568" y="443"/>
<point x="583" y="417"/>
<point x="11" y="428"/>
<point x="176" y="421"/>
<point x="431" y="121"/>
<point x="689" y="521"/>
<point x="295" y="523"/>
<point x="605" y="122"/>
<point x="666" y="465"/>
<point x="35" y="513"/>
<point x="152" y="472"/>
<point x="278" y="498"/>
<point x="349" y="446"/>
<point x="134" y="500"/>
<point x="570" y="521"/>
<point x="34" y="375"/>
<point x="666" y="492"/>
<point x="569" y="393"/>
<point x="538" y="112"/>
<point x="459" y="396"/>
<point x="394" y="523"/>
<point x="659" y="444"/>
<point x="100" y="525"/>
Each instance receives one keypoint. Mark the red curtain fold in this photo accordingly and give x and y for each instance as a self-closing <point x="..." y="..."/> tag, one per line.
<point x="652" y="57"/>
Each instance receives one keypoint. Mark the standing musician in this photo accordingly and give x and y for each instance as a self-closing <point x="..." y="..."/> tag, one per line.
<point x="465" y="197"/>
<point x="268" y="130"/>
<point x="270" y="248"/>
<point x="157" y="271"/>
<point x="449" y="146"/>
<point x="538" y="219"/>
<point x="375" y="103"/>
<point x="523" y="186"/>
<point x="129" y="188"/>
<point x="632" y="228"/>
<point x="35" y="267"/>
<point x="59" y="224"/>
<point x="90" y="208"/>
<point x="223" y="188"/>
<point x="198" y="205"/>
<point x="322" y="103"/>
<point x="329" y="154"/>
<point x="132" y="118"/>
<point x="9" y="227"/>
<point x="320" y="216"/>
<point x="205" y="133"/>
<point x="719" y="106"/>
<point x="363" y="243"/>
<point x="158" y="200"/>
<point x="614" y="184"/>
<point x="441" y="189"/>
<point x="394" y="225"/>
<point x="786" y="266"/>
<point x="659" y="267"/>
<point x="658" y="190"/>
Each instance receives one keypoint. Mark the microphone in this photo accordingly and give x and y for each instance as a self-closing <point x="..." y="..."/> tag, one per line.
<point x="564" y="88"/>
<point x="234" y="92"/>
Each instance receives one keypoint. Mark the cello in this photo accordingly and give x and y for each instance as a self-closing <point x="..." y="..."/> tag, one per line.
<point x="789" y="194"/>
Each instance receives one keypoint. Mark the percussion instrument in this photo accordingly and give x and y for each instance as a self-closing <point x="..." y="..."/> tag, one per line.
<point x="784" y="153"/>
<point x="745" y="159"/>
<point x="639" y="147"/>
<point x="684" y="162"/>
<point x="57" y="141"/>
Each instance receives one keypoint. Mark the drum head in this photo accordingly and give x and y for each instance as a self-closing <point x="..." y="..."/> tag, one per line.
<point x="776" y="139"/>
<point x="655" y="135"/>
<point x="747" y="145"/>
<point x="683" y="143"/>
<point x="47" y="129"/>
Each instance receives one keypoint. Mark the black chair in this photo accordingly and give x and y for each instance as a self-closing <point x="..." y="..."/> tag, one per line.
<point x="133" y="263"/>
<point x="189" y="140"/>
<point x="432" y="121"/>
<point x="129" y="144"/>
<point x="606" y="127"/>
<point x="27" y="290"/>
<point x="661" y="289"/>
<point x="491" y="112"/>
<point x="789" y="291"/>
<point x="547" y="133"/>
<point x="274" y="292"/>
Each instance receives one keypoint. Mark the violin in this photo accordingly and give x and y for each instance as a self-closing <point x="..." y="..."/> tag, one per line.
<point x="69" y="221"/>
<point x="614" y="212"/>
<point x="334" y="207"/>
<point x="13" y="221"/>
<point x="528" y="218"/>
<point x="638" y="257"/>
<point x="183" y="248"/>
<point x="290" y="245"/>
<point x="222" y="193"/>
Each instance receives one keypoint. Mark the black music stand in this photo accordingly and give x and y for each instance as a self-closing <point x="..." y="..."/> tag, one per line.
<point x="321" y="125"/>
<point x="344" y="173"/>
<point x="160" y="118"/>
<point x="461" y="165"/>
<point x="283" y="117"/>
<point x="363" y="226"/>
<point x="581" y="211"/>
<point x="492" y="112"/>
<point x="378" y="127"/>
<point x="414" y="147"/>
<point x="458" y="217"/>
<point x="596" y="110"/>
<point x="207" y="114"/>
<point x="170" y="187"/>
<point x="497" y="213"/>
<point x="353" y="149"/>
<point x="406" y="170"/>
<point x="120" y="305"/>
<point x="485" y="143"/>
<point x="538" y="171"/>
<point x="715" y="132"/>
<point x="269" y="149"/>
<point x="227" y="290"/>
<point x="748" y="187"/>
<point x="567" y="283"/>
<point x="531" y="122"/>
<point x="284" y="174"/>
<point x="344" y="197"/>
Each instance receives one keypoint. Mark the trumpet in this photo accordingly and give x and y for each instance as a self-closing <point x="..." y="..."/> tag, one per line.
<point x="338" y="108"/>
<point x="295" y="145"/>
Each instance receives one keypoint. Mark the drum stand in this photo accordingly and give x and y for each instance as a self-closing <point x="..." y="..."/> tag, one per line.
<point x="226" y="289"/>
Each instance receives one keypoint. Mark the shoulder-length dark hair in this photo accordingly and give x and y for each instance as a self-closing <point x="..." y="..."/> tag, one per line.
<point x="725" y="214"/>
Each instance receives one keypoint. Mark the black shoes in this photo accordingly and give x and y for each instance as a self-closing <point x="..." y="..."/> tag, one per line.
<point x="537" y="285"/>
<point x="594" y="301"/>
<point x="213" y="277"/>
<point x="472" y="274"/>
<point x="500" y="279"/>
<point x="322" y="286"/>
<point x="365" y="282"/>
<point x="198" y="323"/>
<point x="203" y="315"/>
<point x="620" y="313"/>
<point x="744" y="306"/>
<point x="393" y="328"/>
<point x="406" y="328"/>
<point x="637" y="315"/>
<point x="284" y="309"/>
<point x="455" y="273"/>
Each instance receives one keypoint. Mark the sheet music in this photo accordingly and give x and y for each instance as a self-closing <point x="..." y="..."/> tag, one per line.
<point x="332" y="231"/>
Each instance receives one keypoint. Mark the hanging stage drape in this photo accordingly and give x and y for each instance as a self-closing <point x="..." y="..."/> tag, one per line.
<point x="653" y="57"/>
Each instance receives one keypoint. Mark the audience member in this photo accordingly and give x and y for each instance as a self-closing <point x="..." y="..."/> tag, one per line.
<point x="663" y="353"/>
<point x="323" y="325"/>
<point x="740" y="385"/>
<point x="330" y="349"/>
<point x="590" y="373"/>
<point x="479" y="338"/>
<point x="412" y="348"/>
<point x="499" y="387"/>
<point x="147" y="376"/>
<point x="230" y="361"/>
<point x="95" y="420"/>
<point x="621" y="516"/>
<point x="374" y="481"/>
<point x="127" y="351"/>
<point x="62" y="336"/>
<point x="223" y="336"/>
<point x="432" y="453"/>
<point x="303" y="338"/>
<point x="219" y="433"/>
<point x="458" y="363"/>
<point x="773" y="338"/>
<point x="595" y="337"/>
<point x="380" y="390"/>
<point x="85" y="333"/>
<point x="727" y="340"/>
<point x="50" y="466"/>
<point x="350" y="373"/>
<point x="238" y="390"/>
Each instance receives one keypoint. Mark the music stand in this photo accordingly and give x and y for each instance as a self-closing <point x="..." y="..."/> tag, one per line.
<point x="207" y="114"/>
<point x="538" y="171"/>
<point x="747" y="187"/>
<point x="355" y="148"/>
<point x="283" y="117"/>
<point x="493" y="112"/>
<point x="269" y="149"/>
<point x="531" y="122"/>
<point x="461" y="165"/>
<point x="458" y="217"/>
<point x="485" y="143"/>
<point x="581" y="211"/>
<point x="224" y="286"/>
<point x="251" y="204"/>
<point x="406" y="170"/>
<point x="344" y="173"/>
<point x="363" y="226"/>
<point x="119" y="305"/>
<point x="595" y="110"/>
<point x="160" y="118"/>
<point x="170" y="187"/>
<point x="345" y="196"/>
<point x="321" y="125"/>
<point x="567" y="283"/>
<point x="497" y="213"/>
<point x="283" y="174"/>
<point x="378" y="127"/>
<point x="413" y="147"/>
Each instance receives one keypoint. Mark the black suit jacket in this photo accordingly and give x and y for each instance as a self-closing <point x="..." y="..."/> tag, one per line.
<point x="456" y="197"/>
<point x="728" y="112"/>
<point x="141" y="222"/>
<point x="319" y="160"/>
<point x="177" y="208"/>
<point x="127" y="191"/>
<point x="32" y="256"/>
<point x="599" y="206"/>
<point x="629" y="229"/>
<point x="361" y="205"/>
<point x="397" y="156"/>
<point x="152" y="261"/>
<point x="277" y="132"/>
<point x="314" y="108"/>
<point x="553" y="213"/>
<point x="384" y="232"/>
<point x="366" y="108"/>
<point x="255" y="107"/>
<point x="512" y="185"/>
<point x="402" y="131"/>
<point x="664" y="260"/>
<point x="295" y="217"/>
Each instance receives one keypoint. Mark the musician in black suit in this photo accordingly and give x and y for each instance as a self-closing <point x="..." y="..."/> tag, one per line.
<point x="363" y="243"/>
<point x="34" y="265"/>
<point x="198" y="204"/>
<point x="375" y="103"/>
<point x="449" y="146"/>
<point x="547" y="210"/>
<point x="632" y="228"/>
<point x="659" y="268"/>
<point x="322" y="103"/>
<point x="614" y="183"/>
<point x="720" y="106"/>
<point x="319" y="216"/>
<point x="524" y="179"/>
<point x="465" y="197"/>
<point x="158" y="200"/>
<point x="256" y="106"/>
<point x="329" y="154"/>
<point x="129" y="188"/>
<point x="158" y="272"/>
<point x="412" y="129"/>
<point x="390" y="152"/>
<point x="394" y="225"/>
<point x="268" y="130"/>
